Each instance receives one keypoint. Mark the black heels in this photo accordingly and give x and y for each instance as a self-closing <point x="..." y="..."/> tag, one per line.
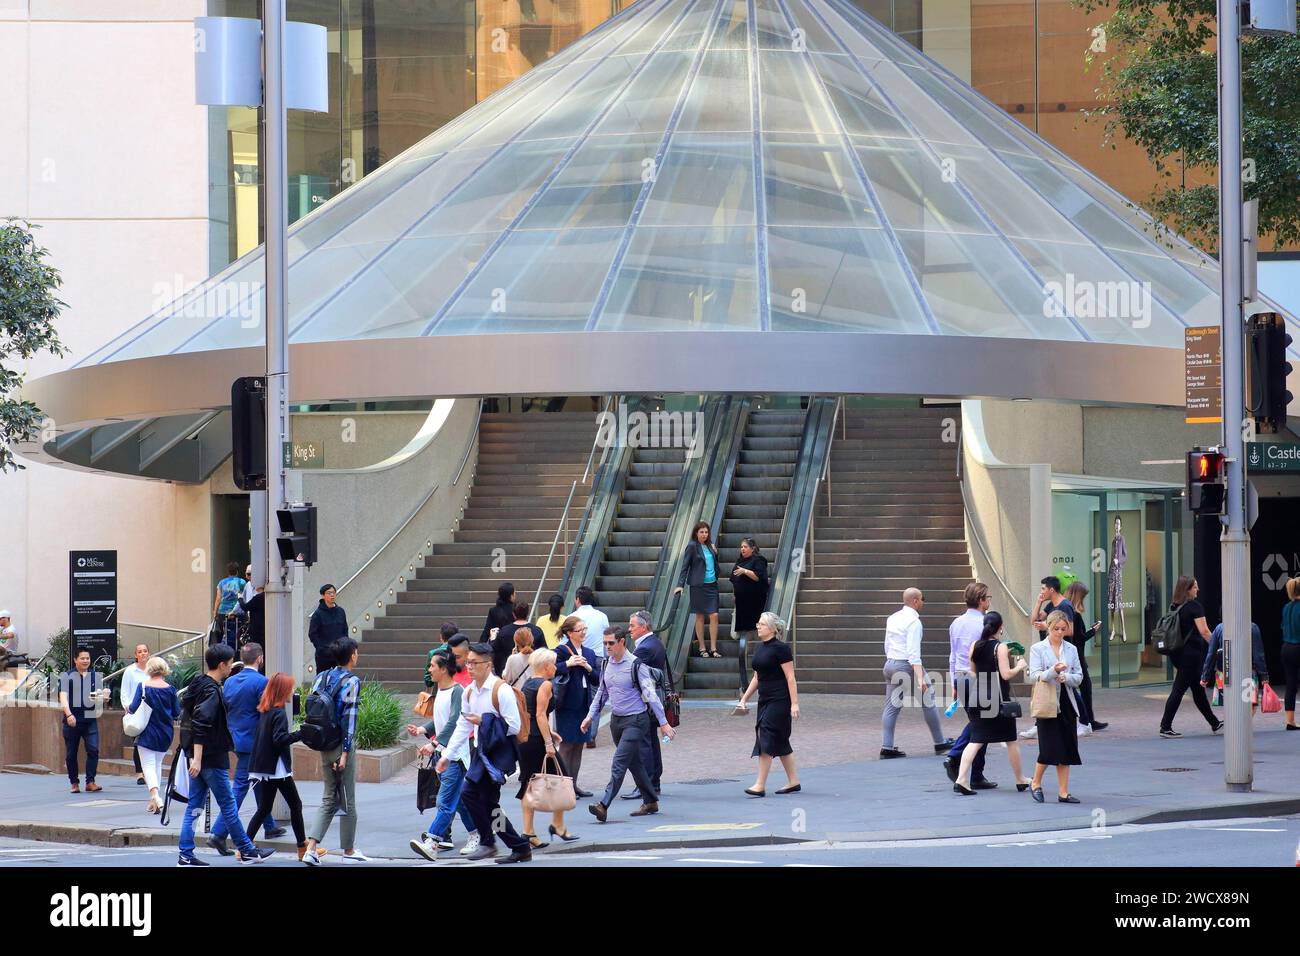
<point x="564" y="835"/>
<point x="964" y="791"/>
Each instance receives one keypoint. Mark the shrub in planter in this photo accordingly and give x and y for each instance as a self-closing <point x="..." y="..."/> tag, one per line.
<point x="379" y="717"/>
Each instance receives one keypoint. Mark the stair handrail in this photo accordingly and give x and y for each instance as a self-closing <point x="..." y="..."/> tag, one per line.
<point x="546" y="568"/>
<point x="194" y="636"/>
<point x="603" y="493"/>
<point x="978" y="535"/>
<point x="609" y="403"/>
<point x="469" y="445"/>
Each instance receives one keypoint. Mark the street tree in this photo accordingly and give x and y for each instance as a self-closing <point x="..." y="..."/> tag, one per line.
<point x="29" y="307"/>
<point x="1159" y="83"/>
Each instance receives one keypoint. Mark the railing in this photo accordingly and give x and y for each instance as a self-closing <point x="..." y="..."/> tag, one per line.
<point x="975" y="531"/>
<point x="546" y="568"/>
<point x="469" y="446"/>
<point x="194" y="637"/>
<point x="36" y="669"/>
<point x="826" y="479"/>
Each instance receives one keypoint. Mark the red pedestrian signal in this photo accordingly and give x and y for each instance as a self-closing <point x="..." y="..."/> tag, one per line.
<point x="1206" y="491"/>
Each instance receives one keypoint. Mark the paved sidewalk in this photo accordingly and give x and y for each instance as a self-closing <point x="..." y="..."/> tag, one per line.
<point x="1129" y="775"/>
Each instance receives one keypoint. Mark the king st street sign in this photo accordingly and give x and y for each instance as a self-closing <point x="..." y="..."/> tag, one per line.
<point x="1271" y="456"/>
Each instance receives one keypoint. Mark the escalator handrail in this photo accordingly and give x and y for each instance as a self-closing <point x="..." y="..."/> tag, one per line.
<point x="725" y="438"/>
<point x="685" y="503"/>
<point x="804" y="487"/>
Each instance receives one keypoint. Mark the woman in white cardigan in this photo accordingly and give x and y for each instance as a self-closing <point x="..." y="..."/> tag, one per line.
<point x="1055" y="661"/>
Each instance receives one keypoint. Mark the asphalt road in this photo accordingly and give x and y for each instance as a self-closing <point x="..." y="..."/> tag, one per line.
<point x="1259" y="841"/>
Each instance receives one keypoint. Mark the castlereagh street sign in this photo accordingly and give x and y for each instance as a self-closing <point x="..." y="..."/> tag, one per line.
<point x="1271" y="456"/>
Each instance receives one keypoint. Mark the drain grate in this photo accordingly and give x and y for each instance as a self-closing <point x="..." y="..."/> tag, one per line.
<point x="705" y="781"/>
<point x="1175" y="769"/>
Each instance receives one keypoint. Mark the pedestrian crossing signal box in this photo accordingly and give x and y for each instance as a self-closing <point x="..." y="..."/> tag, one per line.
<point x="1206" y="488"/>
<point x="297" y="538"/>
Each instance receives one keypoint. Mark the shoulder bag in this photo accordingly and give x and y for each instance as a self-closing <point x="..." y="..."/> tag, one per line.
<point x="550" y="792"/>
<point x="424" y="705"/>
<point x="1045" y="701"/>
<point x="133" y="724"/>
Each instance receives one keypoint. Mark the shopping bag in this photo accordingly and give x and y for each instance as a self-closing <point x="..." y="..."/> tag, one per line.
<point x="1269" y="704"/>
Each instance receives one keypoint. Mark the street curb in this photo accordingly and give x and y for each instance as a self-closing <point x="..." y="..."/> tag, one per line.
<point x="106" y="836"/>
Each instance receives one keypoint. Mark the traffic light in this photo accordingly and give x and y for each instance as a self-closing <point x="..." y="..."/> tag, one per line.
<point x="248" y="432"/>
<point x="1206" y="490"/>
<point x="297" y="538"/>
<point x="1266" y="371"/>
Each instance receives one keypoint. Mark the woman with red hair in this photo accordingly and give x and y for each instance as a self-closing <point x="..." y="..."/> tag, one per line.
<point x="271" y="762"/>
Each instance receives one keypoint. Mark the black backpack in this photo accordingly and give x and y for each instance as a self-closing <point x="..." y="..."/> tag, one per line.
<point x="320" y="721"/>
<point x="1167" y="636"/>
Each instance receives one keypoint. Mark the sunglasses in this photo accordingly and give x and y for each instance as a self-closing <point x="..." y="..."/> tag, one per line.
<point x="610" y="643"/>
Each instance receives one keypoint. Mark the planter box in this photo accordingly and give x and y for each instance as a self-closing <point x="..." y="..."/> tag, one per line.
<point x="373" y="766"/>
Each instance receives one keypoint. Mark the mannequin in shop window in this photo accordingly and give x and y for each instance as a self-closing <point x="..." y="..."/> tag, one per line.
<point x="1115" y="585"/>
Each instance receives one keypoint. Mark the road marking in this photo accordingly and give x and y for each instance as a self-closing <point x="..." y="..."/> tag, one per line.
<point x="702" y="827"/>
<point x="101" y="803"/>
<point x="622" y="856"/>
<point x="1249" y="829"/>
<point x="699" y="859"/>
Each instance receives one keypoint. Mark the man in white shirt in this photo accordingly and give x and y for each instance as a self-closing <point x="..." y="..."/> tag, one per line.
<point x="132" y="678"/>
<point x="963" y="632"/>
<point x="8" y="636"/>
<point x="905" y="675"/>
<point x="595" y="619"/>
<point x="482" y="794"/>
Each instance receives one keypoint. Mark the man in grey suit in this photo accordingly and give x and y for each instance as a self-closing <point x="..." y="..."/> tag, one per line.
<point x="651" y="651"/>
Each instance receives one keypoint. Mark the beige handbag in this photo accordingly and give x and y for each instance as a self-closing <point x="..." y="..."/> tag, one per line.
<point x="1045" y="701"/>
<point x="550" y="792"/>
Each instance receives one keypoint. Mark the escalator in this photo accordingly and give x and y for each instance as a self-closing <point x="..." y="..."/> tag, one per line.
<point x="754" y="507"/>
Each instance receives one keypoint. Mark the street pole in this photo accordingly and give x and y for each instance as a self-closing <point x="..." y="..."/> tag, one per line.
<point x="279" y="620"/>
<point x="1238" y="746"/>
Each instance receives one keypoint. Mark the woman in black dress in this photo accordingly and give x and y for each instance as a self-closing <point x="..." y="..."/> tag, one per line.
<point x="749" y="584"/>
<point x="700" y="571"/>
<point x="539" y="748"/>
<point x="778" y="704"/>
<point x="1054" y="663"/>
<point x="991" y="665"/>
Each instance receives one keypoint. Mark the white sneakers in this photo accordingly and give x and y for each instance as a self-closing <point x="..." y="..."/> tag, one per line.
<point x="355" y="856"/>
<point x="1030" y="734"/>
<point x="470" y="845"/>
<point x="1084" y="730"/>
<point x="426" y="847"/>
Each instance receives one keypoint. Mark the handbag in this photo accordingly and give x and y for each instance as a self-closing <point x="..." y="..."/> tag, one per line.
<point x="1269" y="702"/>
<point x="424" y="705"/>
<point x="1010" y="708"/>
<point x="550" y="792"/>
<point x="178" y="784"/>
<point x="1045" y="701"/>
<point x="427" y="783"/>
<point x="133" y="724"/>
<point x="216" y="632"/>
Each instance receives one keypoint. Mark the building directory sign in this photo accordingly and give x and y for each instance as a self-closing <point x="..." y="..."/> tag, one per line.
<point x="92" y="604"/>
<point x="1272" y="456"/>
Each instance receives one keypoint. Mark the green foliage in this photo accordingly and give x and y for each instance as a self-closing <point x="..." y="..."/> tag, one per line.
<point x="379" y="717"/>
<point x="1160" y="82"/>
<point x="28" y="308"/>
<point x="182" y="672"/>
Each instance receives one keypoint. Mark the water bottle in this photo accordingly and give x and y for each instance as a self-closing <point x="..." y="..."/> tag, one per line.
<point x="952" y="709"/>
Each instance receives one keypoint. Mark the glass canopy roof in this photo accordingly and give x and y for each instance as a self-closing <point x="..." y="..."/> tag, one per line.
<point x="748" y="165"/>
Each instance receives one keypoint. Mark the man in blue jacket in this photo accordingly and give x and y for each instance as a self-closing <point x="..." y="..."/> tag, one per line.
<point x="242" y="691"/>
<point x="649" y="650"/>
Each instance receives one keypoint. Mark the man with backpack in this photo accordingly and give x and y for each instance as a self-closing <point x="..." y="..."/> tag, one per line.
<point x="205" y="739"/>
<point x="627" y="684"/>
<point x="495" y="713"/>
<point x="328" y="726"/>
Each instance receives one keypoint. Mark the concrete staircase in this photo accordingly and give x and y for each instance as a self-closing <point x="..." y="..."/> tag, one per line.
<point x="526" y="465"/>
<point x="756" y="505"/>
<point x="896" y="522"/>
<point x="637" y="536"/>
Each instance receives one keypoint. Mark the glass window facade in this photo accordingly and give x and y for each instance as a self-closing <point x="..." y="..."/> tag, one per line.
<point x="714" y="165"/>
<point x="1127" y="548"/>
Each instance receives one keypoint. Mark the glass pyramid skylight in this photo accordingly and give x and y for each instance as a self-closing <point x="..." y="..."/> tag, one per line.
<point x="745" y="165"/>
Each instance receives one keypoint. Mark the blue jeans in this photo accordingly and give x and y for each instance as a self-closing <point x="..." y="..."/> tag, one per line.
<point x="241" y="790"/>
<point x="216" y="781"/>
<point x="450" y="783"/>
<point x="87" y="729"/>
